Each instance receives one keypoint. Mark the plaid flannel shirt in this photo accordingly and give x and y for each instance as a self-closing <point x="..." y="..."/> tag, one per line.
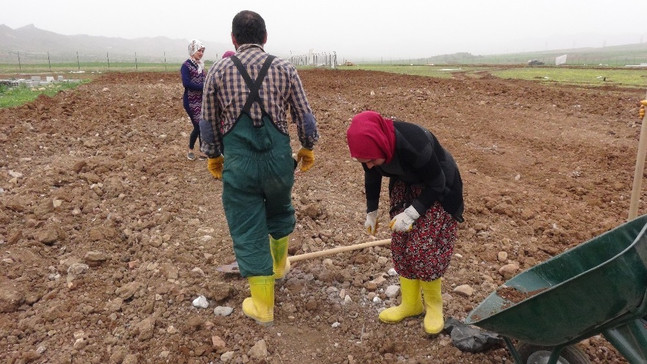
<point x="225" y="94"/>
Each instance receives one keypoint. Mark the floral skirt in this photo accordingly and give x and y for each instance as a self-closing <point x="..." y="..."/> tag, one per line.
<point x="424" y="252"/>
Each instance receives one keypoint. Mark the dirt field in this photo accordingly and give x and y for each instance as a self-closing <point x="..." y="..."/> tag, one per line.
<point x="108" y="233"/>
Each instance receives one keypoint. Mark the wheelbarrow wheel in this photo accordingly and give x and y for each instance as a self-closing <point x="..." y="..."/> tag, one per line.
<point x="535" y="354"/>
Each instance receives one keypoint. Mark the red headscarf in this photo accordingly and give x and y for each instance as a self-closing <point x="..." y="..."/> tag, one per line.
<point x="370" y="136"/>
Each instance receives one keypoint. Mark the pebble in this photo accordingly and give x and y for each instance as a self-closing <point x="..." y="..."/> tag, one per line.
<point x="509" y="270"/>
<point x="201" y="302"/>
<point x="217" y="342"/>
<point x="15" y="174"/>
<point x="392" y="291"/>
<point x="95" y="258"/>
<point x="223" y="311"/>
<point x="197" y="272"/>
<point x="502" y="256"/>
<point x="465" y="290"/>
<point x="225" y="357"/>
<point x="378" y="280"/>
<point x="258" y="352"/>
<point x="77" y="268"/>
<point x="332" y="289"/>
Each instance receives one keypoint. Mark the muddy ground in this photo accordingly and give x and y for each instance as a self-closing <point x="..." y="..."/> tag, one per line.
<point x="108" y="233"/>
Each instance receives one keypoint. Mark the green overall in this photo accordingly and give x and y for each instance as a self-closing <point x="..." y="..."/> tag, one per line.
<point x="258" y="176"/>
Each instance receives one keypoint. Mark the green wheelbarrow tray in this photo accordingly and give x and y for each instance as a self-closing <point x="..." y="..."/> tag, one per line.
<point x="599" y="286"/>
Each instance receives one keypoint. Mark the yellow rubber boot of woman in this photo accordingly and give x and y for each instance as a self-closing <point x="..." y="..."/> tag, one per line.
<point x="279" y="250"/>
<point x="260" y="306"/>
<point x="434" y="322"/>
<point x="411" y="304"/>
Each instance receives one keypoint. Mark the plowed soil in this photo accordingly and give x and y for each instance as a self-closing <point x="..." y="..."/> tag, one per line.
<point x="108" y="233"/>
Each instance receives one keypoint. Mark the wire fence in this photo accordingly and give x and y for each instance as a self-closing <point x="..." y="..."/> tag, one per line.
<point x="79" y="62"/>
<point x="17" y="61"/>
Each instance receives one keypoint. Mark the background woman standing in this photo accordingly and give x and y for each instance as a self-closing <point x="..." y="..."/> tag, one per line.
<point x="193" y="76"/>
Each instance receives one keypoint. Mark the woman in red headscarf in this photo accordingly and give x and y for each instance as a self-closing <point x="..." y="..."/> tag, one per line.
<point x="426" y="204"/>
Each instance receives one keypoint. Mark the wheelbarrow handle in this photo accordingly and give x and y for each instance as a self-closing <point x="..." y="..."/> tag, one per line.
<point x="323" y="253"/>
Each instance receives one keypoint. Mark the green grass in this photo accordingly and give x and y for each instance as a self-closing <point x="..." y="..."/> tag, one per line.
<point x="599" y="76"/>
<point x="579" y="76"/>
<point x="16" y="96"/>
<point x="22" y="94"/>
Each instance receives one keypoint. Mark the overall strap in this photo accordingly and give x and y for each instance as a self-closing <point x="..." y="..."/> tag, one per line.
<point x="254" y="85"/>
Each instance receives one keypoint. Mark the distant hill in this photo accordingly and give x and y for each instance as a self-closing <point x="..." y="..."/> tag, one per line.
<point x="34" y="45"/>
<point x="621" y="55"/>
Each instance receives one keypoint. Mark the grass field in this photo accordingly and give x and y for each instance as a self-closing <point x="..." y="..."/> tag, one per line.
<point x="16" y="96"/>
<point x="599" y="76"/>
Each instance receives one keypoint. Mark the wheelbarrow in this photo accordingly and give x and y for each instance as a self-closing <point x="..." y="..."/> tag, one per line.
<point x="598" y="287"/>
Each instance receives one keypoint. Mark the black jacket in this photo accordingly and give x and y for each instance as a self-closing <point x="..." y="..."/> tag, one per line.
<point x="418" y="159"/>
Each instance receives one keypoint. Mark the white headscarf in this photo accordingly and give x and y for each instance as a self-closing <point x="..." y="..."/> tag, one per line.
<point x="194" y="46"/>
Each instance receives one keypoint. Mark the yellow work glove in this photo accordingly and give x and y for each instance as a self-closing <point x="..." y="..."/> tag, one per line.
<point x="215" y="165"/>
<point x="306" y="158"/>
<point x="641" y="112"/>
<point x="371" y="222"/>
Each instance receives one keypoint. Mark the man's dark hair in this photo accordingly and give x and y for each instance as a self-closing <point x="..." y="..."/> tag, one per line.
<point x="248" y="28"/>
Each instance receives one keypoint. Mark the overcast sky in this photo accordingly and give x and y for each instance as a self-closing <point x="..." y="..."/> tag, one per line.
<point x="363" y="29"/>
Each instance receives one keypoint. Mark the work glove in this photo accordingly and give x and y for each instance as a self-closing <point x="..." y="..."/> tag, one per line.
<point x="404" y="221"/>
<point x="641" y="112"/>
<point x="215" y="165"/>
<point x="371" y="222"/>
<point x="306" y="158"/>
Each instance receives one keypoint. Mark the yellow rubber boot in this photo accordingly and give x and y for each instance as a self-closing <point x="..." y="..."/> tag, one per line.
<point x="411" y="304"/>
<point x="434" y="322"/>
<point x="281" y="263"/>
<point x="260" y="306"/>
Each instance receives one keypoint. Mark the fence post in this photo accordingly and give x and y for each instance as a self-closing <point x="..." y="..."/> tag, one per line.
<point x="164" y="60"/>
<point x="136" y="68"/>
<point x="19" y="64"/>
<point x="78" y="63"/>
<point x="108" y="59"/>
<point x="49" y="62"/>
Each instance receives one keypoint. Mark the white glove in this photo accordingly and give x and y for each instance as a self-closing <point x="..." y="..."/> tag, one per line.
<point x="371" y="222"/>
<point x="404" y="220"/>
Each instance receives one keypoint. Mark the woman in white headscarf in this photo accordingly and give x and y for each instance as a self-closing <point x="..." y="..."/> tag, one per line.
<point x="193" y="76"/>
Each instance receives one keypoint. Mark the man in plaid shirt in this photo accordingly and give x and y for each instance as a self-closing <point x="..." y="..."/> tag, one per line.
<point x="245" y="103"/>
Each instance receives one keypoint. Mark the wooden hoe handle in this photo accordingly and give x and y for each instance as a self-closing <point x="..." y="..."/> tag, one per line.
<point x="639" y="170"/>
<point x="323" y="253"/>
